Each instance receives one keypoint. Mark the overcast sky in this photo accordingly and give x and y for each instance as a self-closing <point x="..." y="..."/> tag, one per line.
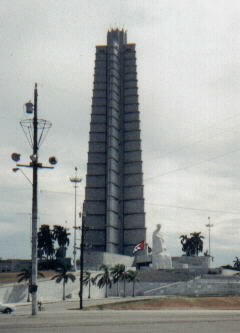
<point x="188" y="57"/>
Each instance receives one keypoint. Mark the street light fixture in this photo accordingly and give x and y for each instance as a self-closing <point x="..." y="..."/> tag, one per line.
<point x="31" y="128"/>
<point x="209" y="226"/>
<point x="75" y="180"/>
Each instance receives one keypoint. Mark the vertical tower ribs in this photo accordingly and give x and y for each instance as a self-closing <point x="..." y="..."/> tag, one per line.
<point x="114" y="191"/>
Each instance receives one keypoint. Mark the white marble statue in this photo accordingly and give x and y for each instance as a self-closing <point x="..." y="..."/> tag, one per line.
<point x="160" y="258"/>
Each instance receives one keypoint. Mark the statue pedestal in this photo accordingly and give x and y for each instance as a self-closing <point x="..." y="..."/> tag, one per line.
<point x="161" y="261"/>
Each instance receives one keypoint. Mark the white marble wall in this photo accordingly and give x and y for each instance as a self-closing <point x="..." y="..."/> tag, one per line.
<point x="48" y="290"/>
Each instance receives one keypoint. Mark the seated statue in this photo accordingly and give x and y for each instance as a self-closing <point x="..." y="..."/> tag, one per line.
<point x="160" y="258"/>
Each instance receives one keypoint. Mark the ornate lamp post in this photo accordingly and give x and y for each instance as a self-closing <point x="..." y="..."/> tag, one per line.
<point x="31" y="128"/>
<point x="75" y="180"/>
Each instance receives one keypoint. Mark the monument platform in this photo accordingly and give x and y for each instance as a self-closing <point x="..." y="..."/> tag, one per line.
<point x="197" y="265"/>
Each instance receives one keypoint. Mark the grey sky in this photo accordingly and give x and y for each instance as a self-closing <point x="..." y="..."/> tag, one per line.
<point x="188" y="56"/>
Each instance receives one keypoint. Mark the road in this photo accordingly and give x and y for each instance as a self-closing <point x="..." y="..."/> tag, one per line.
<point x="60" y="317"/>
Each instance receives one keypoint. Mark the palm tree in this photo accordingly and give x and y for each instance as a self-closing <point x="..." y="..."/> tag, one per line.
<point x="60" y="235"/>
<point x="87" y="281"/>
<point x="236" y="263"/>
<point x="193" y="245"/>
<point x="26" y="275"/>
<point x="197" y="242"/>
<point x="104" y="279"/>
<point x="117" y="273"/>
<point x="64" y="276"/>
<point x="186" y="244"/>
<point x="132" y="277"/>
<point x="45" y="241"/>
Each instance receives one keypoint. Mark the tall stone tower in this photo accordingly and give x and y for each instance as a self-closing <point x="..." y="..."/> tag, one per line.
<point x="114" y="202"/>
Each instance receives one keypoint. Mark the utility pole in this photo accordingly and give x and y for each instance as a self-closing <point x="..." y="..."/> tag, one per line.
<point x="34" y="204"/>
<point x="209" y="226"/>
<point x="30" y="128"/>
<point x="75" y="180"/>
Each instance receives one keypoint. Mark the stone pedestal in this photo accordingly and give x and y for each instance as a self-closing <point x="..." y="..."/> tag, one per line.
<point x="199" y="265"/>
<point x="161" y="261"/>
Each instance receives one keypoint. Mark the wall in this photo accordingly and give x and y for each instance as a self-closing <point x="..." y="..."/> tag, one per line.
<point x="14" y="265"/>
<point x="199" y="287"/>
<point x="93" y="260"/>
<point x="195" y="264"/>
<point x="48" y="290"/>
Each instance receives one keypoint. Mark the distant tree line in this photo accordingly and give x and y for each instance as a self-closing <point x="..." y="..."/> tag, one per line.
<point x="235" y="266"/>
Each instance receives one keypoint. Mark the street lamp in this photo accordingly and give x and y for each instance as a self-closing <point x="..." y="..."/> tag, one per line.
<point x="75" y="180"/>
<point x="31" y="128"/>
<point x="84" y="229"/>
<point x="209" y="226"/>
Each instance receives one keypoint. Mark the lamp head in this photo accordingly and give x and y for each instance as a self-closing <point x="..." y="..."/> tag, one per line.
<point x="29" y="107"/>
<point x="15" y="157"/>
<point x="52" y="160"/>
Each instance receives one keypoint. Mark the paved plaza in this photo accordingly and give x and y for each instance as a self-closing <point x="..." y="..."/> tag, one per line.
<point x="63" y="317"/>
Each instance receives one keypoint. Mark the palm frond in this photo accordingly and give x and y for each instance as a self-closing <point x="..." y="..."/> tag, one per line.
<point x="21" y="279"/>
<point x="72" y="277"/>
<point x="41" y="274"/>
<point x="59" y="279"/>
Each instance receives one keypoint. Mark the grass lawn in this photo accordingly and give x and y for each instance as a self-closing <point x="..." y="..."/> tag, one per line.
<point x="175" y="303"/>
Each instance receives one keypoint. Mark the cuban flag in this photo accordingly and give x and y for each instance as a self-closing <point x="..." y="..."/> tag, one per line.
<point x="139" y="246"/>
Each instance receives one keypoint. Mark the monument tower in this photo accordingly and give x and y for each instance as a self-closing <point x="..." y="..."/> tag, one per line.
<point x="114" y="202"/>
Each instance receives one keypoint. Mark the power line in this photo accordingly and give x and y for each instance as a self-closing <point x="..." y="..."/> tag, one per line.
<point x="192" y="208"/>
<point x="199" y="140"/>
<point x="193" y="165"/>
<point x="206" y="128"/>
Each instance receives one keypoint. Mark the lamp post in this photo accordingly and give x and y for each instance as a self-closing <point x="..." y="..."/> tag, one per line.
<point x="209" y="226"/>
<point x="30" y="128"/>
<point x="75" y="180"/>
<point x="84" y="229"/>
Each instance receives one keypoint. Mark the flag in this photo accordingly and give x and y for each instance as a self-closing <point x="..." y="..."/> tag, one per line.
<point x="139" y="246"/>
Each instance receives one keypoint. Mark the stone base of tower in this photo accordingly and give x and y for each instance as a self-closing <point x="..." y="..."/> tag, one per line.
<point x="93" y="259"/>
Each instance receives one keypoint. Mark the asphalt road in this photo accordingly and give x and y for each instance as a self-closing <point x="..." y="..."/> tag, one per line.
<point x="60" y="317"/>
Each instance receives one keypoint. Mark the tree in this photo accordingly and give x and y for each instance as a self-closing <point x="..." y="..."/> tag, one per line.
<point x="60" y="235"/>
<point x="64" y="276"/>
<point x="197" y="242"/>
<point x="26" y="275"/>
<point x="45" y="242"/>
<point x="132" y="277"/>
<point x="104" y="279"/>
<point x="192" y="245"/>
<point x="117" y="273"/>
<point x="88" y="280"/>
<point x="186" y="245"/>
<point x="236" y="263"/>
